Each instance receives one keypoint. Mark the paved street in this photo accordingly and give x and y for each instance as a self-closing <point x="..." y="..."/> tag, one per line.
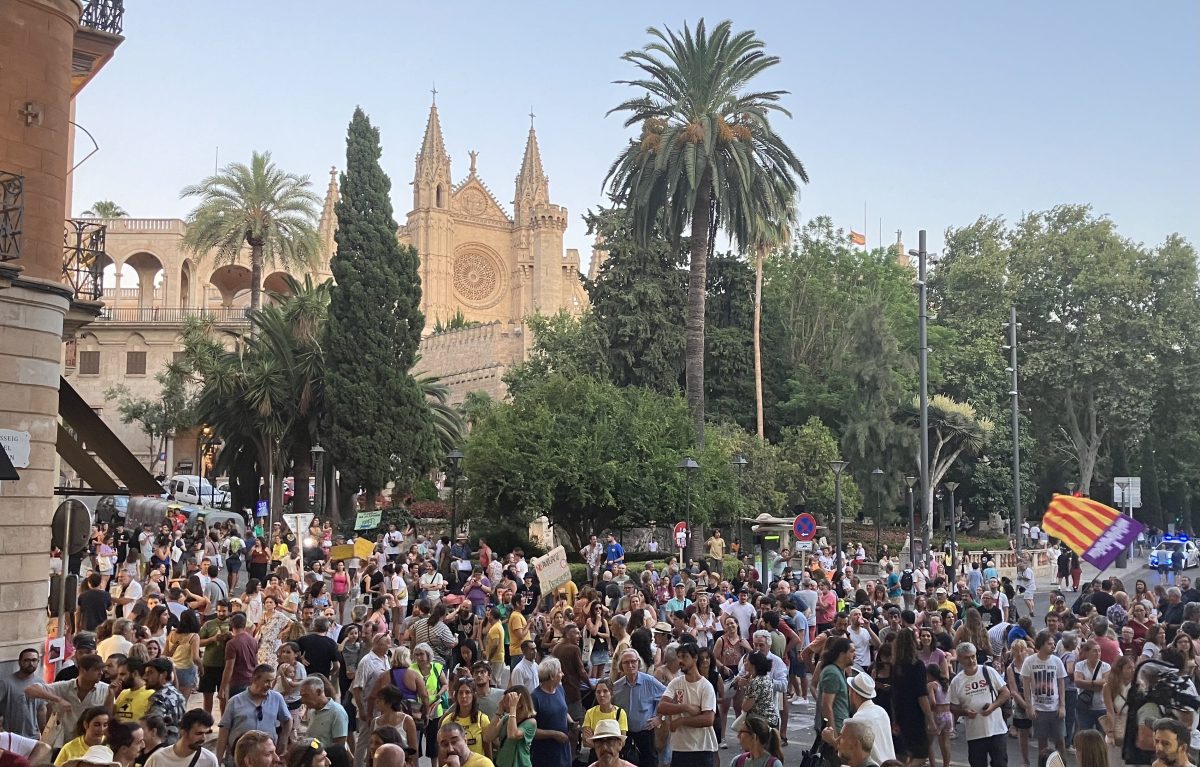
<point x="801" y="726"/>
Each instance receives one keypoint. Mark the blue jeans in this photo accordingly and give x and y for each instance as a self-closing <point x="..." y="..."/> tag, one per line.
<point x="1088" y="718"/>
<point x="1070" y="723"/>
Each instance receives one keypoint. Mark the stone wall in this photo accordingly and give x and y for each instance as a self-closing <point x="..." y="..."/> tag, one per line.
<point x="473" y="359"/>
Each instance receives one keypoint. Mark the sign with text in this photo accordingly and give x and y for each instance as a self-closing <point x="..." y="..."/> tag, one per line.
<point x="16" y="444"/>
<point x="552" y="570"/>
<point x="260" y="509"/>
<point x="367" y="520"/>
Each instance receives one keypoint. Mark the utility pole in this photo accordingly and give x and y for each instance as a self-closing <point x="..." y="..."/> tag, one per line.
<point x="1014" y="394"/>
<point x="922" y="255"/>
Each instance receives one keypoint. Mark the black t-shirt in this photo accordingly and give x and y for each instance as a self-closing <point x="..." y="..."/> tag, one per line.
<point x="1102" y="600"/>
<point x="1191" y="595"/>
<point x="93" y="607"/>
<point x="991" y="616"/>
<point x="320" y="651"/>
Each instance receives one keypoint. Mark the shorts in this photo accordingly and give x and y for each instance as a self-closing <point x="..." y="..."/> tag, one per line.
<point x="294" y="704"/>
<point x="1047" y="725"/>
<point x="1022" y="724"/>
<point x="234" y="564"/>
<point x="186" y="677"/>
<point x="210" y="678"/>
<point x="600" y="657"/>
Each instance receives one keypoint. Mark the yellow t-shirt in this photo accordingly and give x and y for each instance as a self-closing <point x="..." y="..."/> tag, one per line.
<point x="473" y="729"/>
<point x="595" y="716"/>
<point x="72" y="750"/>
<point x="133" y="705"/>
<point x="495" y="639"/>
<point x="948" y="605"/>
<point x="279" y="551"/>
<point x="516" y="623"/>
<point x="568" y="590"/>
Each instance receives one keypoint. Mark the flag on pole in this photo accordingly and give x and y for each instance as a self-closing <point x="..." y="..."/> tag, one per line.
<point x="1096" y="532"/>
<point x="857" y="239"/>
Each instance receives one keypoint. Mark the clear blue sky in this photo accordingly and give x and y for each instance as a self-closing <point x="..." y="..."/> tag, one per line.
<point x="931" y="113"/>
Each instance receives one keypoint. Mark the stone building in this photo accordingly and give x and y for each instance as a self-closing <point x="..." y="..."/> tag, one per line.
<point x="478" y="263"/>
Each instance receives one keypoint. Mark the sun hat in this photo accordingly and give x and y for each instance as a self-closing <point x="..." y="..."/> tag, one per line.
<point x="101" y="755"/>
<point x="662" y="627"/>
<point x="607" y="729"/>
<point x="864" y="685"/>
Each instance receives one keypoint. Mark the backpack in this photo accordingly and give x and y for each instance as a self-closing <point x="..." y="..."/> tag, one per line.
<point x="906" y="581"/>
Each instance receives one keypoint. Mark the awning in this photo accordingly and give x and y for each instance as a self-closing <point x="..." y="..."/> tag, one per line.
<point x="93" y="432"/>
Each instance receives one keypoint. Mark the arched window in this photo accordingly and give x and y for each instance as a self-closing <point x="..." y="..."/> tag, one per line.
<point x="440" y="200"/>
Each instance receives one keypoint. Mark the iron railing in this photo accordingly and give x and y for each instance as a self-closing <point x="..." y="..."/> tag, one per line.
<point x="12" y="210"/>
<point x="104" y="16"/>
<point x="84" y="257"/>
<point x="149" y="314"/>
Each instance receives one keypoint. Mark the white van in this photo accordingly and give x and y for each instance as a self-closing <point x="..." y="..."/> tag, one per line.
<point x="190" y="488"/>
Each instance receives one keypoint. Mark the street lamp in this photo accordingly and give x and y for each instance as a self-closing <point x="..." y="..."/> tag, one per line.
<point x="689" y="467"/>
<point x="952" y="486"/>
<point x="838" y="467"/>
<point x="454" y="458"/>
<point x="877" y="475"/>
<point x="739" y="463"/>
<point x="912" y="522"/>
<point x="318" y="454"/>
<point x="1071" y="488"/>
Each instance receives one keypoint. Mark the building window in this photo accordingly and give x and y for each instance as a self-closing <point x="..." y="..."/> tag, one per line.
<point x="135" y="363"/>
<point x="89" y="363"/>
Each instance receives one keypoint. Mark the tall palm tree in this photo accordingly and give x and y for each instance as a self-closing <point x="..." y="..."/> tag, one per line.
<point x="105" y="209"/>
<point x="705" y="144"/>
<point x="273" y="212"/>
<point x="772" y="229"/>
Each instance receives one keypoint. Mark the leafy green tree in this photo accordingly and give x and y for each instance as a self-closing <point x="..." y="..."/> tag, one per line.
<point x="173" y="410"/>
<point x="705" y="151"/>
<point x="260" y="206"/>
<point x="638" y="302"/>
<point x="105" y="209"/>
<point x="563" y="343"/>
<point x="806" y="478"/>
<point x="377" y="425"/>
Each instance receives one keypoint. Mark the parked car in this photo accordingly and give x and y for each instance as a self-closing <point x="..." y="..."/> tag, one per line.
<point x="190" y="488"/>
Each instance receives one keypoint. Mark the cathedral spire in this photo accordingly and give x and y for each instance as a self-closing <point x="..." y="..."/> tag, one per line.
<point x="328" y="224"/>
<point x="533" y="187"/>
<point x="433" y="148"/>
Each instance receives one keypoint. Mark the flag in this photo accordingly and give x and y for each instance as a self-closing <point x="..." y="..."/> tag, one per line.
<point x="1096" y="532"/>
<point x="857" y="239"/>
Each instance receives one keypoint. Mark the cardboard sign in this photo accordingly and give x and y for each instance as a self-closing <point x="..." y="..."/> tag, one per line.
<point x="368" y="520"/>
<point x="552" y="570"/>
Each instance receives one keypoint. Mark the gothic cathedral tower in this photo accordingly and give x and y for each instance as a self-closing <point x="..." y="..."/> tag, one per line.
<point x="430" y="225"/>
<point x="539" y="232"/>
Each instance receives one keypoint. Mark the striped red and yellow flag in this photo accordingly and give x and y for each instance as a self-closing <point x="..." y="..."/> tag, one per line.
<point x="1096" y="532"/>
<point x="857" y="238"/>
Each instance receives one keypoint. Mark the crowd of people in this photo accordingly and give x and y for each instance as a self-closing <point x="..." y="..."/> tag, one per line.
<point x="432" y="651"/>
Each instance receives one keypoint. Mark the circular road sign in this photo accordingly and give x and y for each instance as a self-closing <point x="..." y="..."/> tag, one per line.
<point x="681" y="534"/>
<point x="805" y="527"/>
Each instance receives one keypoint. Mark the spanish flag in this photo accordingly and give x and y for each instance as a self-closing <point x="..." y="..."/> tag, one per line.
<point x="857" y="239"/>
<point x="1096" y="532"/>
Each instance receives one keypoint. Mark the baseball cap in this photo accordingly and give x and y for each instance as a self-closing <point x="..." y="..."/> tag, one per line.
<point x="84" y="640"/>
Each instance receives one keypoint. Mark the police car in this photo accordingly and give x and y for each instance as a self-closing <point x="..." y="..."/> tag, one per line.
<point x="1164" y="551"/>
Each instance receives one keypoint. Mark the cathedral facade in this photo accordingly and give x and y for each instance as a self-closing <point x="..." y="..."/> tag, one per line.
<point x="480" y="264"/>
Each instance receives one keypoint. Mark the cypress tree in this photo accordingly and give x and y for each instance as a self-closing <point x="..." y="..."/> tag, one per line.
<point x="377" y="424"/>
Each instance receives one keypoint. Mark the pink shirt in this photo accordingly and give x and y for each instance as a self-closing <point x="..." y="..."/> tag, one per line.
<point x="1110" y="649"/>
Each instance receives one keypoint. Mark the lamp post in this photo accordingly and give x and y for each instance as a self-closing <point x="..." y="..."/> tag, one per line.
<point x="689" y="467"/>
<point x="454" y="458"/>
<point x="922" y="256"/>
<point x="1124" y="485"/>
<point x="952" y="486"/>
<point x="912" y="523"/>
<point x="318" y="453"/>
<point x="1071" y="488"/>
<point x="877" y="475"/>
<point x="838" y="467"/>
<point x="739" y="463"/>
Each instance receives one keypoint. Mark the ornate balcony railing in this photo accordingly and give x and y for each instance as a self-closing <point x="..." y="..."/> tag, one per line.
<point x="149" y="314"/>
<point x="104" y="16"/>
<point x="12" y="210"/>
<point x="84" y="257"/>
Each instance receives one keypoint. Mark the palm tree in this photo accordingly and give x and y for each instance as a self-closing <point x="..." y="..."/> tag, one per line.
<point x="105" y="209"/>
<point x="773" y="228"/>
<point x="273" y="212"/>
<point x="954" y="428"/>
<point x="705" y="145"/>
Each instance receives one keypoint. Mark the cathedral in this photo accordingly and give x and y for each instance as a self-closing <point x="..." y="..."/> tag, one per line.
<point x="483" y="270"/>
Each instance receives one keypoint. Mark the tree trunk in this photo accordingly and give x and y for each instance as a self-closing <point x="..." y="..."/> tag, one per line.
<point x="697" y="285"/>
<point x="256" y="270"/>
<point x="301" y="471"/>
<point x="758" y="383"/>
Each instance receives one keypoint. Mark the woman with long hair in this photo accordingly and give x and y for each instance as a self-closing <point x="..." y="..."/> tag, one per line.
<point x="514" y="728"/>
<point x="642" y="641"/>
<point x="318" y="595"/>
<point x="972" y="631"/>
<point x="339" y="584"/>
<point x="728" y="653"/>
<point x="759" y="742"/>
<point x="912" y="713"/>
<point x="596" y="628"/>
<point x="126" y="740"/>
<point x="258" y="560"/>
<point x="706" y="664"/>
<point x="1183" y="643"/>
<point x="1019" y="650"/>
<point x="394" y="712"/>
<point x="309" y="752"/>
<point x="939" y="687"/>
<point x="758" y="692"/>
<point x="1090" y="749"/>
<point x="90" y="731"/>
<point x="1116" y="700"/>
<point x="464" y="657"/>
<point x="1156" y="640"/>
<point x="156" y="624"/>
<point x="604" y="709"/>
<point x="930" y="654"/>
<point x="464" y="711"/>
<point x="704" y="621"/>
<point x="183" y="648"/>
<point x="193" y="595"/>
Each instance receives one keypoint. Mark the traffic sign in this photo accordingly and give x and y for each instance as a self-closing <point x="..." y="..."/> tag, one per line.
<point x="805" y="527"/>
<point x="804" y="545"/>
<point x="681" y="535"/>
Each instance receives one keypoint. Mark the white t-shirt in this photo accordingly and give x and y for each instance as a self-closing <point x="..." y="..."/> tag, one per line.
<point x="702" y="694"/>
<point x="165" y="757"/>
<point x="1085" y="671"/>
<point x="861" y="639"/>
<point x="1041" y="681"/>
<point x="876" y="717"/>
<point x="132" y="591"/>
<point x="18" y="744"/>
<point x="973" y="692"/>
<point x="391" y="542"/>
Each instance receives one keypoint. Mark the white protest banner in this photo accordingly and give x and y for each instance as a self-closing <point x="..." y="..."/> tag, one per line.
<point x="552" y="570"/>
